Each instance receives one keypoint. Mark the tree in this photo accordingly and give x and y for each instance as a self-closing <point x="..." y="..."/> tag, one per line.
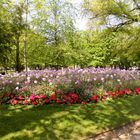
<point x="5" y="34"/>
<point x="18" y="27"/>
<point x="114" y="13"/>
<point x="121" y="17"/>
<point x="54" y="20"/>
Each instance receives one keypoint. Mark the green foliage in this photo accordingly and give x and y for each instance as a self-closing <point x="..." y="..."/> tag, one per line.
<point x="123" y="12"/>
<point x="53" y="41"/>
<point x="5" y="35"/>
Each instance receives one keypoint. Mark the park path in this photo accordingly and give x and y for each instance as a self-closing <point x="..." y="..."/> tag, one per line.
<point x="130" y="131"/>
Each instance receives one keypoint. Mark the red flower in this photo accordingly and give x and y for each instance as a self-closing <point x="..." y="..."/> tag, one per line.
<point x="25" y="102"/>
<point x="84" y="103"/>
<point x="122" y="92"/>
<point x="64" y="101"/>
<point x="127" y="91"/>
<point x="72" y="97"/>
<point x="34" y="103"/>
<point x="59" y="92"/>
<point x="58" y="102"/>
<point x="14" y="102"/>
<point x="47" y="101"/>
<point x="94" y="98"/>
<point x="109" y="93"/>
<point x="20" y="97"/>
<point x="137" y="91"/>
<point x="53" y="97"/>
<point x="114" y="94"/>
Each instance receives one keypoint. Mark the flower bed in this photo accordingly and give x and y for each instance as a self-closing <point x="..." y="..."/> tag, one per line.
<point x="70" y="98"/>
<point x="68" y="86"/>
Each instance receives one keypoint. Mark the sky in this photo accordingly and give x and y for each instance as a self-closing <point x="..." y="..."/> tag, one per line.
<point x="81" y="21"/>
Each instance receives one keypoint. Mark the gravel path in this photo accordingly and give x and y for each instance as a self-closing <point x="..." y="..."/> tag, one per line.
<point x="130" y="131"/>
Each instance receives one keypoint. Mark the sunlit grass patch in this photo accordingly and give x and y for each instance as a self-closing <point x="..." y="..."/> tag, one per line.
<point x="60" y="122"/>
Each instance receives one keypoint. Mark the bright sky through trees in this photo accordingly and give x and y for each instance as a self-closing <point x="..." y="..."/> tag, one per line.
<point x="81" y="21"/>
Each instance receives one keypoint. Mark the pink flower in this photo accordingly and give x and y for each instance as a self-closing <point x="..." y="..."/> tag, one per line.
<point x="40" y="101"/>
<point x="37" y="97"/>
<point x="42" y="96"/>
<point x="14" y="102"/>
<point x="32" y="97"/>
<point x="25" y="102"/>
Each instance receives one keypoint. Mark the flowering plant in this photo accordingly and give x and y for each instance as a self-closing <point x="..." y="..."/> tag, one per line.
<point x="68" y="86"/>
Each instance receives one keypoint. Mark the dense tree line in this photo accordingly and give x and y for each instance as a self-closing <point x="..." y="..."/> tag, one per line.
<point x="49" y="37"/>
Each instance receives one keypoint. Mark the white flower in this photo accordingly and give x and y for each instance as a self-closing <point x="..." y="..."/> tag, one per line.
<point x="17" y="88"/>
<point x="118" y="80"/>
<point x="28" y="78"/>
<point x="27" y="82"/>
<point x="111" y="76"/>
<point x="102" y="79"/>
<point x="17" y="83"/>
<point x="43" y="79"/>
<point x="50" y="83"/>
<point x="107" y="75"/>
<point x="77" y="82"/>
<point x="35" y="82"/>
<point x="37" y="76"/>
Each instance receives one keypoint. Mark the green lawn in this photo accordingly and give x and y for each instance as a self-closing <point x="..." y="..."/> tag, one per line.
<point x="61" y="122"/>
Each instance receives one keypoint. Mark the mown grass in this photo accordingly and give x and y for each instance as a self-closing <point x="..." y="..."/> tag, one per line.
<point x="62" y="122"/>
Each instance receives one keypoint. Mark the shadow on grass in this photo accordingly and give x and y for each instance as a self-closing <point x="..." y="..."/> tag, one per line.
<point x="56" y="122"/>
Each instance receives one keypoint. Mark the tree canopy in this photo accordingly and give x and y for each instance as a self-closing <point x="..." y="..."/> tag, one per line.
<point x="42" y="34"/>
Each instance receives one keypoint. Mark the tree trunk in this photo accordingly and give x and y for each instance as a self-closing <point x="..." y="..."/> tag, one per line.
<point x="17" y="55"/>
